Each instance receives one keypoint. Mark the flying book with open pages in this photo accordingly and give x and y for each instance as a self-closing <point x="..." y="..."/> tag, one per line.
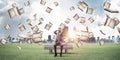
<point x="102" y="32"/>
<point x="3" y="41"/>
<point x="48" y="26"/>
<point x="42" y="2"/>
<point x="111" y="22"/>
<point x="38" y="35"/>
<point x="35" y="16"/>
<point x="107" y="8"/>
<point x="48" y="9"/>
<point x="29" y="22"/>
<point x="76" y="16"/>
<point x="24" y="36"/>
<point x="89" y="10"/>
<point x="118" y="28"/>
<point x="15" y="12"/>
<point x="7" y="26"/>
<point x="21" y="11"/>
<point x="107" y="5"/>
<point x="82" y="5"/>
<point x="56" y="3"/>
<point x="40" y="21"/>
<point x="72" y="8"/>
<point x="112" y="11"/>
<point x="67" y="21"/>
<point x="62" y="25"/>
<point x="82" y="19"/>
<point x="91" y="19"/>
<point x="8" y="35"/>
<point x="21" y="27"/>
<point x="27" y="3"/>
<point x="35" y="29"/>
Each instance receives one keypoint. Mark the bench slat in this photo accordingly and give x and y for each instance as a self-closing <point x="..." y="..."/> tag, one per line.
<point x="48" y="47"/>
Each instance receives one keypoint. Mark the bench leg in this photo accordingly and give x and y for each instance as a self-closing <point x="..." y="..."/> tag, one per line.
<point x="50" y="51"/>
<point x="65" y="51"/>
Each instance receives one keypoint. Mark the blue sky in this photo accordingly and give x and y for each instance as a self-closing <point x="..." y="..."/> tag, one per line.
<point x="97" y="5"/>
<point x="59" y="14"/>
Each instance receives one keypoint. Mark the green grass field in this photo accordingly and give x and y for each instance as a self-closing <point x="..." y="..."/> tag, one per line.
<point x="37" y="52"/>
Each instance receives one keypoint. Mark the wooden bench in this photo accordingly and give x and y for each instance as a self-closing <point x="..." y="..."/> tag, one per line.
<point x="50" y="47"/>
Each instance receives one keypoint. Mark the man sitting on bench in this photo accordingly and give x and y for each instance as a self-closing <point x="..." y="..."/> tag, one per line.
<point x="60" y="33"/>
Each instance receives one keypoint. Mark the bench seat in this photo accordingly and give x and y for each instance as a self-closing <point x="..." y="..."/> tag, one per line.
<point x="50" y="47"/>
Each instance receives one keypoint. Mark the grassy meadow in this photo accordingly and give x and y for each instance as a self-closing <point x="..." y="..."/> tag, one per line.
<point x="37" y="52"/>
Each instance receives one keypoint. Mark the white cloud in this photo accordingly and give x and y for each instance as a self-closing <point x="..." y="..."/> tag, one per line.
<point x="114" y="4"/>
